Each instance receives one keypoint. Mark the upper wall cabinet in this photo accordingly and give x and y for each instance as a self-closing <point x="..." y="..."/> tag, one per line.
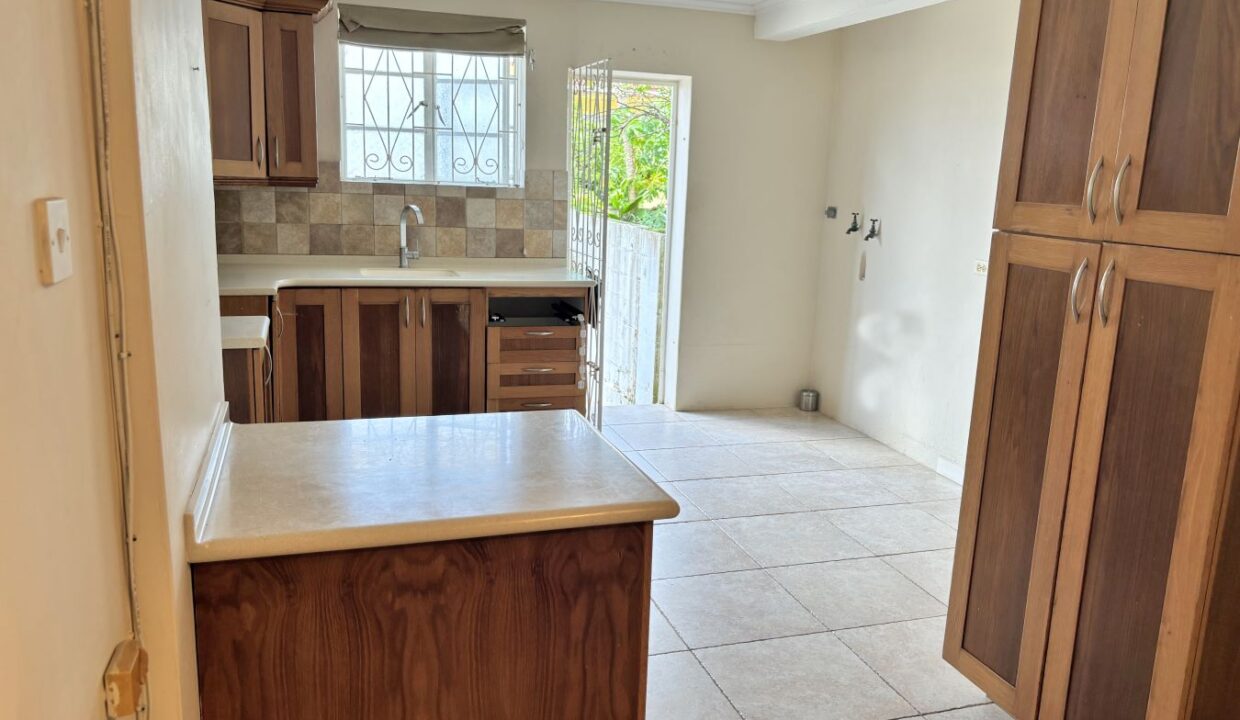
<point x="234" y="45"/>
<point x="260" y="79"/>
<point x="1064" y="114"/>
<point x="1124" y="122"/>
<point x="1177" y="183"/>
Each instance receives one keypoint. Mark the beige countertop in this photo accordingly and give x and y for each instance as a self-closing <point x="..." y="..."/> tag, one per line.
<point x="293" y="488"/>
<point x="245" y="332"/>
<point x="265" y="274"/>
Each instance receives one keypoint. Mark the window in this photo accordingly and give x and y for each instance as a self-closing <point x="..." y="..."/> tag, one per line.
<point x="431" y="116"/>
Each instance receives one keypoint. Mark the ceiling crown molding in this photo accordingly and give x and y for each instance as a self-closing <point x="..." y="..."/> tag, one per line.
<point x="736" y="7"/>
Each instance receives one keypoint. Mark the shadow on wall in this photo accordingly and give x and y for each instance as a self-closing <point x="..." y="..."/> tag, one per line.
<point x="888" y="340"/>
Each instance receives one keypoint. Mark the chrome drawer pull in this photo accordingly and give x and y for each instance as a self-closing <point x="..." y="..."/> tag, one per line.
<point x="536" y="406"/>
<point x="538" y="370"/>
<point x="539" y="333"/>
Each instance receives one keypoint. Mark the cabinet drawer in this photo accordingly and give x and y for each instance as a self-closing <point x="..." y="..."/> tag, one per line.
<point x="533" y="344"/>
<point x="524" y="380"/>
<point x="577" y="403"/>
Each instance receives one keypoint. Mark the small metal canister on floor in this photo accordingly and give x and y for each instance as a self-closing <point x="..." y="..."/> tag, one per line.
<point x="809" y="400"/>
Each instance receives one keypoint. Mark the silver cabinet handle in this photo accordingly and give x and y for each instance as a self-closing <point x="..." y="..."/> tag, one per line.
<point x="1104" y="294"/>
<point x="280" y="325"/>
<point x="1117" y="192"/>
<point x="275" y="149"/>
<point x="423" y="311"/>
<point x="538" y="370"/>
<point x="271" y="364"/>
<point x="406" y="310"/>
<point x="1075" y="295"/>
<point x="536" y="406"/>
<point x="1091" y="193"/>
<point x="539" y="333"/>
<point x="258" y="156"/>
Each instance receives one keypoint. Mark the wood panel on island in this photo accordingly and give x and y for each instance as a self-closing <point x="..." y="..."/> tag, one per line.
<point x="1096" y="564"/>
<point x="392" y="352"/>
<point x="260" y="88"/>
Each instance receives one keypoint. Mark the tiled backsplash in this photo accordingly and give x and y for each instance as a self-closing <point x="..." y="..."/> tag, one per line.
<point x="349" y="218"/>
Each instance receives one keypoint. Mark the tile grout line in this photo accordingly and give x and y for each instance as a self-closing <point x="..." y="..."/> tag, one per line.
<point x="802" y="512"/>
<point x="760" y="566"/>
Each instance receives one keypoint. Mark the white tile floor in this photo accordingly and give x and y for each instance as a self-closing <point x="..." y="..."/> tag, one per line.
<point x="806" y="576"/>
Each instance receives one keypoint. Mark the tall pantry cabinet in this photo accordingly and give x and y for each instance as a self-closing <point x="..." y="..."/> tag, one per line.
<point x="1097" y="571"/>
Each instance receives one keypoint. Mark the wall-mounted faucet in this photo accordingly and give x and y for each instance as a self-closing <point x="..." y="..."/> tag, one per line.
<point x="405" y="253"/>
<point x="856" y="224"/>
<point x="873" y="234"/>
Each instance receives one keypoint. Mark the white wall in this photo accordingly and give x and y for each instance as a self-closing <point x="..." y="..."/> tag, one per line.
<point x="919" y="108"/>
<point x="165" y="216"/>
<point x="756" y="186"/>
<point x="62" y="585"/>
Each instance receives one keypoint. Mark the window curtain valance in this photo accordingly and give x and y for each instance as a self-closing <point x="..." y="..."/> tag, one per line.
<point x="420" y="30"/>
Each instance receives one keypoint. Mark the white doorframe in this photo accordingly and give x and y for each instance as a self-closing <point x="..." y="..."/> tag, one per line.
<point x="677" y="192"/>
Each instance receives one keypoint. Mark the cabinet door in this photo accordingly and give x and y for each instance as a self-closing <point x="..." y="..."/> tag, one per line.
<point x="451" y="351"/>
<point x="1034" y="335"/>
<point x="1156" y="420"/>
<point x="308" y="356"/>
<point x="234" y="49"/>
<point x="379" y="379"/>
<point x="1063" y="116"/>
<point x="245" y="385"/>
<point x="288" y="49"/>
<point x="1181" y="128"/>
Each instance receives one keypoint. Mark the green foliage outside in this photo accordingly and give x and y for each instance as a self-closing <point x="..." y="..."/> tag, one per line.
<point x="641" y="121"/>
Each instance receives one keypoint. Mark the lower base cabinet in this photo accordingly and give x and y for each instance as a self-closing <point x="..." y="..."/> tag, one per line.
<point x="534" y="368"/>
<point x="396" y="352"/>
<point x="247" y="376"/>
<point x="549" y="625"/>
<point x="1095" y="571"/>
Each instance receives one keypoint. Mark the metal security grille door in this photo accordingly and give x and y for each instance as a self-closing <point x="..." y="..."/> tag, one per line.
<point x="589" y="113"/>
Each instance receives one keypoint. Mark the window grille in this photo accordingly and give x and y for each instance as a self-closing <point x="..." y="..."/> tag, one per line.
<point x="424" y="116"/>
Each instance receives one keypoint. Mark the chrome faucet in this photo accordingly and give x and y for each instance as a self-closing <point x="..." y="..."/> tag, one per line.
<point x="405" y="253"/>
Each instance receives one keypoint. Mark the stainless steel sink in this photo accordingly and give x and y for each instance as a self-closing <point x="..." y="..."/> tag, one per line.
<point x="407" y="273"/>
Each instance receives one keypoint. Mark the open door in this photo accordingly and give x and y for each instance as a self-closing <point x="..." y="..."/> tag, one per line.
<point x="589" y="113"/>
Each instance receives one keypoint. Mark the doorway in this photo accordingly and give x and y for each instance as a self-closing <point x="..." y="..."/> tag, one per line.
<point x="649" y="123"/>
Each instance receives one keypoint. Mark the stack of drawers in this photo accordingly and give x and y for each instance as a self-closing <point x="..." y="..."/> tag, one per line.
<point x="534" y="368"/>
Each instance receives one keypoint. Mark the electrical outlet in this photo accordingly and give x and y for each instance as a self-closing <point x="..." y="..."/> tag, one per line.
<point x="124" y="678"/>
<point x="981" y="267"/>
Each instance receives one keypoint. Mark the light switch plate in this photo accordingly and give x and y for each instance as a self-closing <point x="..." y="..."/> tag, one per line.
<point x="55" y="245"/>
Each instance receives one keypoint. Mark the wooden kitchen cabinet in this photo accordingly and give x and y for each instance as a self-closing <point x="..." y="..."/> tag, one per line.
<point x="534" y="368"/>
<point x="451" y="351"/>
<point x="288" y="66"/>
<point x="547" y="625"/>
<point x="1149" y="467"/>
<point x="260" y="79"/>
<point x="1099" y="547"/>
<point x="234" y="50"/>
<point x="1122" y="551"/>
<point x="1178" y="146"/>
<point x="1034" y="337"/>
<point x="1124" y="123"/>
<point x="380" y="378"/>
<point x="1064" y="113"/>
<point x="247" y="373"/>
<point x="309" y="374"/>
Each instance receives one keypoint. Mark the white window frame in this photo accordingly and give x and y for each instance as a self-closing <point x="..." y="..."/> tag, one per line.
<point x="429" y="78"/>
